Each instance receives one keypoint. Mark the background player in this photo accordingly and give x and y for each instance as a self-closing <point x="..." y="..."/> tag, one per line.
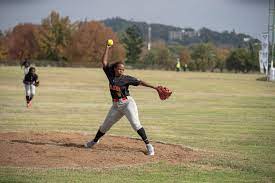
<point x="30" y="81"/>
<point x="26" y="64"/>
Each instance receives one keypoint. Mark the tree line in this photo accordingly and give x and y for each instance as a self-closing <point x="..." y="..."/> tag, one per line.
<point x="58" y="41"/>
<point x="198" y="57"/>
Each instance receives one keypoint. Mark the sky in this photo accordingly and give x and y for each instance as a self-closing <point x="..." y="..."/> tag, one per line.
<point x="243" y="16"/>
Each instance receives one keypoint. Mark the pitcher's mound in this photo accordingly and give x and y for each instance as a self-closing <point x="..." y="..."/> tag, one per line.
<point x="60" y="150"/>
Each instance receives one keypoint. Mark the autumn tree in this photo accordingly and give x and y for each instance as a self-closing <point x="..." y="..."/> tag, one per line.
<point x="21" y="41"/>
<point x="162" y="54"/>
<point x="185" y="56"/>
<point x="88" y="44"/>
<point x="222" y="54"/>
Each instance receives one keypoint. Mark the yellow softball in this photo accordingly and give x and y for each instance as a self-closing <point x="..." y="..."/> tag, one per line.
<point x="110" y="42"/>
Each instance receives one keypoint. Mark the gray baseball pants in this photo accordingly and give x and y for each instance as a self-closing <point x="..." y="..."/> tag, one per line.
<point x="30" y="89"/>
<point x="117" y="111"/>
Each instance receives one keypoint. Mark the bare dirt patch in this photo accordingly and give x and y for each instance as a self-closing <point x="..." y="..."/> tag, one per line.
<point x="66" y="150"/>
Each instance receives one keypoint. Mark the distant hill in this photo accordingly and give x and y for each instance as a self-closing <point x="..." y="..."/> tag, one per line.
<point x="178" y="35"/>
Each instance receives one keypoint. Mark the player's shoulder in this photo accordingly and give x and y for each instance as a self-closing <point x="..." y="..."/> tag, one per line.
<point x="127" y="76"/>
<point x="131" y="78"/>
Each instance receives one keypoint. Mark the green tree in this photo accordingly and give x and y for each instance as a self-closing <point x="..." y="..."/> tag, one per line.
<point x="55" y="36"/>
<point x="150" y="58"/>
<point x="3" y="47"/>
<point x="204" y="56"/>
<point x="238" y="60"/>
<point x="159" y="57"/>
<point x="163" y="56"/>
<point x="133" y="44"/>
<point x="254" y="49"/>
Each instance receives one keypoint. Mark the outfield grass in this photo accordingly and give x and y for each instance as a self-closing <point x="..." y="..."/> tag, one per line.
<point x="230" y="117"/>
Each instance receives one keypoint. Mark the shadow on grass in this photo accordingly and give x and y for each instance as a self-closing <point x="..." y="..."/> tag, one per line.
<point x="262" y="78"/>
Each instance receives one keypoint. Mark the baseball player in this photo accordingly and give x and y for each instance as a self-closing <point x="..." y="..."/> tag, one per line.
<point x="30" y="81"/>
<point x="123" y="103"/>
<point x="26" y="64"/>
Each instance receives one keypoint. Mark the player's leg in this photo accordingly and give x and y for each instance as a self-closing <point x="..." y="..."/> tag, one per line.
<point x="131" y="112"/>
<point x="31" y="95"/>
<point x="28" y="93"/>
<point x="32" y="87"/>
<point x="112" y="117"/>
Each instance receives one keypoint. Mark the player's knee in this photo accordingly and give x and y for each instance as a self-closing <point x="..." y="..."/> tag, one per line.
<point x="136" y="126"/>
<point x="137" y="129"/>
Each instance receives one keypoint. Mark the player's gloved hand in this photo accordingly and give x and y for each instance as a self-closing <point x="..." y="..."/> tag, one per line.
<point x="164" y="92"/>
<point x="36" y="83"/>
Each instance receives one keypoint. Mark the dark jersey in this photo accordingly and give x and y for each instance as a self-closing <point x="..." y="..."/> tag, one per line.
<point x="119" y="85"/>
<point x="30" y="78"/>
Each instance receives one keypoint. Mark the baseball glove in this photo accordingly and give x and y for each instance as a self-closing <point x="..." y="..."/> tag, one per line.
<point x="36" y="83"/>
<point x="164" y="92"/>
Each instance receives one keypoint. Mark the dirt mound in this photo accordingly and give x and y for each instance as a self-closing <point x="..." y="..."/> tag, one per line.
<point x="56" y="150"/>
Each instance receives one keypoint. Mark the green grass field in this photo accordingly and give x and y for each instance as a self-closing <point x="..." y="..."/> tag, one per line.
<point x="230" y="117"/>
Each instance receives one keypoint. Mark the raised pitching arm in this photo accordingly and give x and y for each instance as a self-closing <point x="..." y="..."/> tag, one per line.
<point x="105" y="56"/>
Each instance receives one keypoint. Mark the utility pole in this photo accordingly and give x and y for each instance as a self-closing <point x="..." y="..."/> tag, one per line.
<point x="271" y="27"/>
<point x="149" y="37"/>
<point x="271" y="33"/>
